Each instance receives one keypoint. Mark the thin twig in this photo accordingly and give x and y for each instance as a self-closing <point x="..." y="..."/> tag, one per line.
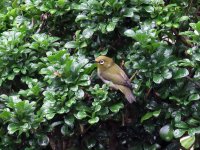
<point x="182" y="38"/>
<point x="123" y="119"/>
<point x="133" y="76"/>
<point x="190" y="5"/>
<point x="197" y="84"/>
<point x="148" y="92"/>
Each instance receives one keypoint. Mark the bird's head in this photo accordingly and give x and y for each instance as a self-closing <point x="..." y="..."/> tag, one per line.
<point x="104" y="62"/>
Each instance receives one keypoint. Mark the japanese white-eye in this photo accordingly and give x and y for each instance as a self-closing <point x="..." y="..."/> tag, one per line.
<point x="114" y="76"/>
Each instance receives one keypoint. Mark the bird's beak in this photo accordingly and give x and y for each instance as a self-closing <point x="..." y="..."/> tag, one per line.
<point x="93" y="61"/>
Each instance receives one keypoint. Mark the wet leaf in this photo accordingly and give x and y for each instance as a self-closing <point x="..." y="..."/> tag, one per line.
<point x="180" y="73"/>
<point x="129" y="33"/>
<point x="43" y="140"/>
<point x="157" y="78"/>
<point x="166" y="133"/>
<point x="93" y="120"/>
<point x="187" y="141"/>
<point x="194" y="97"/>
<point x="87" y="33"/>
<point x="81" y="115"/>
<point x="115" y="108"/>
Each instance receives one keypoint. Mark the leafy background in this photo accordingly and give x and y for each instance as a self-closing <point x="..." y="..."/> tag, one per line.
<point x="51" y="97"/>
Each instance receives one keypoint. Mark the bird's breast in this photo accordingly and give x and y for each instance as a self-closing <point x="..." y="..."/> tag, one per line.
<point x="110" y="83"/>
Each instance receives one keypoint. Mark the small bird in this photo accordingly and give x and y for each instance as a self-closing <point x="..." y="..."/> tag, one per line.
<point x="114" y="76"/>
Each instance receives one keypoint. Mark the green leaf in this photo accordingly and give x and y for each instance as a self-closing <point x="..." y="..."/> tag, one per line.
<point x="141" y="37"/>
<point x="69" y="120"/>
<point x="167" y="74"/>
<point x="57" y="56"/>
<point x="196" y="26"/>
<point x="193" y="131"/>
<point x="115" y="108"/>
<point x="43" y="140"/>
<point x="149" y="9"/>
<point x="64" y="130"/>
<point x="111" y="26"/>
<point x="55" y="124"/>
<point x="157" y="78"/>
<point x="36" y="90"/>
<point x="90" y="143"/>
<point x="16" y="70"/>
<point x="193" y="122"/>
<point x="166" y="133"/>
<point x="71" y="44"/>
<point x="11" y="76"/>
<point x="197" y="57"/>
<point x="156" y="113"/>
<point x="181" y="125"/>
<point x="93" y="120"/>
<point x="184" y="18"/>
<point x="87" y="33"/>
<point x="181" y="73"/>
<point x="197" y="74"/>
<point x="194" y="97"/>
<point x="15" y="4"/>
<point x="146" y="117"/>
<point x="49" y="116"/>
<point x="5" y="115"/>
<point x="179" y="132"/>
<point x="81" y="115"/>
<point x="97" y="108"/>
<point x="187" y="141"/>
<point x="67" y="67"/>
<point x="80" y="94"/>
<point x="129" y="33"/>
<point x="81" y="17"/>
<point x="128" y="12"/>
<point x="12" y="128"/>
<point x="61" y="2"/>
<point x="70" y="102"/>
<point x="149" y="115"/>
<point x="186" y="62"/>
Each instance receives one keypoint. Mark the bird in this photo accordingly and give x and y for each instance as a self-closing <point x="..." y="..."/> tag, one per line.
<point x="110" y="73"/>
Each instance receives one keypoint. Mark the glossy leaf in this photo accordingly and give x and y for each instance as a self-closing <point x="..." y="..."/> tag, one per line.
<point x="115" y="108"/>
<point x="180" y="73"/>
<point x="187" y="141"/>
<point x="93" y="120"/>
<point x="166" y="133"/>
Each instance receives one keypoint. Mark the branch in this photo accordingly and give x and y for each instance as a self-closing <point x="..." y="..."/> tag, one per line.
<point x="197" y="84"/>
<point x="133" y="76"/>
<point x="182" y="38"/>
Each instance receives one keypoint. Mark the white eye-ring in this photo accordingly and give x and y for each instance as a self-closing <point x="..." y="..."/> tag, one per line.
<point x="101" y="62"/>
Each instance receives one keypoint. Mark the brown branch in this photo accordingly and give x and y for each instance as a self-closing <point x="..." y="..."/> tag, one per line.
<point x="182" y="38"/>
<point x="148" y="92"/>
<point x="133" y="76"/>
<point x="197" y="84"/>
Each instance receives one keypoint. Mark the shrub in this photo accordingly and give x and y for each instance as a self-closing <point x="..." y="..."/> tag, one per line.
<point x="51" y="97"/>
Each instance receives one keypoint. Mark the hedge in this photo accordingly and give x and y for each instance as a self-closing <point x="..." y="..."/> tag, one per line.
<point x="51" y="97"/>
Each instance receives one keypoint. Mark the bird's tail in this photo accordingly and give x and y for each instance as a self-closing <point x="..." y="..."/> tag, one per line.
<point x="127" y="92"/>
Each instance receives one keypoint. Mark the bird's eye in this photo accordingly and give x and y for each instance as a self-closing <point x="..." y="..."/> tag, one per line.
<point x="101" y="62"/>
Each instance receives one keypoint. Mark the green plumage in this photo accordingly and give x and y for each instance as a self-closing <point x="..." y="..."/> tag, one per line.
<point x="114" y="76"/>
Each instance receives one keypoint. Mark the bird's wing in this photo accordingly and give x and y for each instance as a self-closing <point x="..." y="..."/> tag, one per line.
<point x="116" y="75"/>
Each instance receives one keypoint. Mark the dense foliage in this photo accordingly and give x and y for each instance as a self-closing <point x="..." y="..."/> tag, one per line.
<point x="51" y="97"/>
